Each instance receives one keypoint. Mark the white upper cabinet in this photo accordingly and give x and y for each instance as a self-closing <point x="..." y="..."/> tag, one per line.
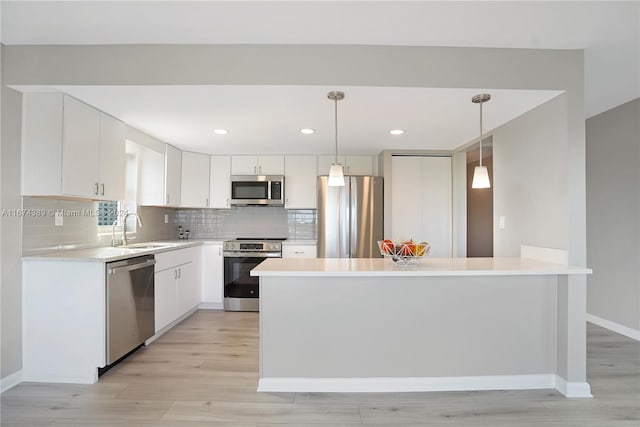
<point x="353" y="165"/>
<point x="160" y="176"/>
<point x="80" y="149"/>
<point x="173" y="175"/>
<point x="195" y="180"/>
<point x="112" y="158"/>
<point x="359" y="165"/>
<point x="71" y="149"/>
<point x="151" y="177"/>
<point x="220" y="182"/>
<point x="300" y="182"/>
<point x="257" y="165"/>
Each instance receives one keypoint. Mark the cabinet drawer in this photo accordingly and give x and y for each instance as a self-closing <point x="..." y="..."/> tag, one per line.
<point x="166" y="260"/>
<point x="299" y="251"/>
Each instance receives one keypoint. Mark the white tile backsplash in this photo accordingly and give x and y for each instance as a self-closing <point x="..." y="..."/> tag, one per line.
<point x="80" y="229"/>
<point x="248" y="221"/>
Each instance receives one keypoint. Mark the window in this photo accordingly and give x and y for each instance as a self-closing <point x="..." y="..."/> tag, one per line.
<point x="107" y="213"/>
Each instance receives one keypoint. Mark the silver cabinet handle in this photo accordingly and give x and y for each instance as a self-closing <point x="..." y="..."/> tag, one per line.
<point x="175" y="274"/>
<point x="102" y="189"/>
<point x="260" y="170"/>
<point x="96" y="190"/>
<point x="114" y="270"/>
<point x="179" y="273"/>
<point x="206" y="202"/>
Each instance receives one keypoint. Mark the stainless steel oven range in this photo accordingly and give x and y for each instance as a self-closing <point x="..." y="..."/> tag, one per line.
<point x="240" y="257"/>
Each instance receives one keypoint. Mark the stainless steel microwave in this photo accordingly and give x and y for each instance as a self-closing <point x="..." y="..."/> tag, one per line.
<point x="265" y="190"/>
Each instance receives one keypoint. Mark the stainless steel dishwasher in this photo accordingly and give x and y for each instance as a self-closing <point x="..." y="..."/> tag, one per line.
<point x="130" y="305"/>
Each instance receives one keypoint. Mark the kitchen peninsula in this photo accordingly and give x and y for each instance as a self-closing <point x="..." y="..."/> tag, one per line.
<point x="358" y="325"/>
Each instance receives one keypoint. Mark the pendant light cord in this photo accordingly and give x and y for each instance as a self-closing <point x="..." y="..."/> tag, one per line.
<point x="335" y="101"/>
<point x="481" y="134"/>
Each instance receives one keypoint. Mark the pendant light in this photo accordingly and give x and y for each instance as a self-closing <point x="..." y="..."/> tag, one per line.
<point x="480" y="173"/>
<point x="336" y="173"/>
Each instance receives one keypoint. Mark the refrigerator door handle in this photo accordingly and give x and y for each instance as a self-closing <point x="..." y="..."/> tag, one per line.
<point x="353" y="219"/>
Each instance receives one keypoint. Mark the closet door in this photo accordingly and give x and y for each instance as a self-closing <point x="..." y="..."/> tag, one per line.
<point x="421" y="201"/>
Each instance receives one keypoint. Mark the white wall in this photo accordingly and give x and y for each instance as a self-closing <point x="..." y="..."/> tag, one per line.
<point x="613" y="217"/>
<point x="11" y="243"/>
<point x="316" y="64"/>
<point x="530" y="180"/>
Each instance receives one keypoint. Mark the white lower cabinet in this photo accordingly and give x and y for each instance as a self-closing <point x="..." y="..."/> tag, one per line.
<point x="177" y="285"/>
<point x="165" y="298"/>
<point x="299" y="251"/>
<point x="212" y="275"/>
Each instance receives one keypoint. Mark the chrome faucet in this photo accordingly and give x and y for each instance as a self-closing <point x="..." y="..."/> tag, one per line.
<point x="124" y="227"/>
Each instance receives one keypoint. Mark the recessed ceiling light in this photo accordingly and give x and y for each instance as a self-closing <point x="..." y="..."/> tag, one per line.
<point x="220" y="131"/>
<point x="307" y="131"/>
<point x="396" y="132"/>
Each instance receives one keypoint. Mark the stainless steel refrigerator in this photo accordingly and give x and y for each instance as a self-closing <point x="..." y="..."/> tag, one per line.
<point x="350" y="217"/>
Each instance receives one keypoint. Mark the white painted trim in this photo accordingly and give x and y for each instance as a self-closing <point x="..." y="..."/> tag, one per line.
<point x="211" y="306"/>
<point x="573" y="389"/>
<point x="615" y="327"/>
<point x="556" y="256"/>
<point x="407" y="384"/>
<point x="170" y="325"/>
<point x="10" y="381"/>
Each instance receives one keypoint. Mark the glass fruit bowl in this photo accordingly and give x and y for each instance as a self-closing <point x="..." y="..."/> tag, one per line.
<point x="403" y="253"/>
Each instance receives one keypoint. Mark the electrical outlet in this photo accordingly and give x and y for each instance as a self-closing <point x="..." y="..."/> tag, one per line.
<point x="59" y="219"/>
<point x="166" y="218"/>
<point x="501" y="220"/>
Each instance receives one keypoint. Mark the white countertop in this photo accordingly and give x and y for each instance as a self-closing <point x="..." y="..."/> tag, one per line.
<point x="109" y="253"/>
<point x="424" y="267"/>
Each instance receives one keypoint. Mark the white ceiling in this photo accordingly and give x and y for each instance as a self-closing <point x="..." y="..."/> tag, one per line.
<point x="267" y="119"/>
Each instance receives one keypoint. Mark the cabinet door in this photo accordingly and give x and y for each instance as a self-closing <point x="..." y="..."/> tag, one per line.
<point x="151" y="175"/>
<point x="187" y="289"/>
<point x="325" y="162"/>
<point x="195" y="180"/>
<point x="300" y="182"/>
<point x="80" y="149"/>
<point x="112" y="158"/>
<point x="270" y="165"/>
<point x="212" y="273"/>
<point x="299" y="251"/>
<point x="359" y="165"/>
<point x="165" y="297"/>
<point x="406" y="198"/>
<point x="436" y="205"/>
<point x="244" y="165"/>
<point x="172" y="175"/>
<point x="220" y="183"/>
<point x="421" y="201"/>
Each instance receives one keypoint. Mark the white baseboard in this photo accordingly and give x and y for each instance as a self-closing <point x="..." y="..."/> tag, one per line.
<point x="615" y="327"/>
<point x="211" y="306"/>
<point x="170" y="325"/>
<point x="9" y="381"/>
<point x="573" y="389"/>
<point x="407" y="384"/>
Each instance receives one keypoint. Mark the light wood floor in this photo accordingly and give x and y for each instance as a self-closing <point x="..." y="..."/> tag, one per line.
<point x="204" y="373"/>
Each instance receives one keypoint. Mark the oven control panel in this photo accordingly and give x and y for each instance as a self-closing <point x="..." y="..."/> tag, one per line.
<point x="253" y="246"/>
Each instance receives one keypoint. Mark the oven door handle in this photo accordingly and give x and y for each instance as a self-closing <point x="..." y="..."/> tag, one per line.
<point x="234" y="254"/>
